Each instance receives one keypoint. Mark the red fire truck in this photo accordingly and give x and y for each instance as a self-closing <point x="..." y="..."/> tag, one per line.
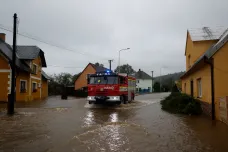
<point x="112" y="87"/>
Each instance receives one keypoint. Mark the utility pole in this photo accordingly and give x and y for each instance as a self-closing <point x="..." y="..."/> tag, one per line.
<point x="110" y="64"/>
<point x="160" y="79"/>
<point x="12" y="96"/>
<point x="119" y="58"/>
<point x="152" y="90"/>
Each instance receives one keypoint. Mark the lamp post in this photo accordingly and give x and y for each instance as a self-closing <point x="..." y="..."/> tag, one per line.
<point x="119" y="57"/>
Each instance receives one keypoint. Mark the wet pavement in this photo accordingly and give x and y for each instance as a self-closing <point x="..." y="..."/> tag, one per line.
<point x="58" y="125"/>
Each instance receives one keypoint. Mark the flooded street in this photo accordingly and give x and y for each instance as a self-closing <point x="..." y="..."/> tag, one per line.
<point x="58" y="125"/>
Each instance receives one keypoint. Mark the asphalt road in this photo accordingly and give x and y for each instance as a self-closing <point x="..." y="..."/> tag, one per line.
<point x="57" y="125"/>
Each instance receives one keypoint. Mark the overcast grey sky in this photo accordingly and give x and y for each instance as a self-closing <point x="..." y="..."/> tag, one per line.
<point x="155" y="30"/>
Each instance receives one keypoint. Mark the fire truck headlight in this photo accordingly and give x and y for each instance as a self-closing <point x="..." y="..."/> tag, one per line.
<point x="115" y="98"/>
<point x="90" y="98"/>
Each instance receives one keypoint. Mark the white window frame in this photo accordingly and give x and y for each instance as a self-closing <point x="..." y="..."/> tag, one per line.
<point x="199" y="87"/>
<point x="25" y="85"/>
<point x="32" y="85"/>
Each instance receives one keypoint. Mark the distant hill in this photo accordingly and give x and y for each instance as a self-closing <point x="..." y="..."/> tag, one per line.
<point x="168" y="79"/>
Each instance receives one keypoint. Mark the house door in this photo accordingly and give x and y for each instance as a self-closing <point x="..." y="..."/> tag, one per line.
<point x="191" y="88"/>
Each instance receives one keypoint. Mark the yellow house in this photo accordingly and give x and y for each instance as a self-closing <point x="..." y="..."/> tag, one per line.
<point x="31" y="81"/>
<point x="206" y="76"/>
<point x="81" y="81"/>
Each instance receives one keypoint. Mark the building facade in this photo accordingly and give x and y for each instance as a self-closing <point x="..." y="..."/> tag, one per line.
<point x="143" y="81"/>
<point x="206" y="76"/>
<point x="31" y="80"/>
<point x="81" y="81"/>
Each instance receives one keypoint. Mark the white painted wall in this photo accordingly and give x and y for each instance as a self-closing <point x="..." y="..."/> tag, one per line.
<point x="143" y="84"/>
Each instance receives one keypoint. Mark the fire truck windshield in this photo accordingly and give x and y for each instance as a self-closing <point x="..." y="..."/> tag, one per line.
<point x="104" y="80"/>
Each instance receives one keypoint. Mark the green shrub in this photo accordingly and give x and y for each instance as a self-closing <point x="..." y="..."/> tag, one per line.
<point x="181" y="103"/>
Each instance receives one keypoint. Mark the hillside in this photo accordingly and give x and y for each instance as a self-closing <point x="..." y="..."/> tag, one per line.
<point x="168" y="79"/>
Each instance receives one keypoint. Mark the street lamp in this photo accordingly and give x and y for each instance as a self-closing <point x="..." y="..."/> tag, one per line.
<point x="119" y="57"/>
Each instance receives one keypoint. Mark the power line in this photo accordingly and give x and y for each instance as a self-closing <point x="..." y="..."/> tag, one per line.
<point x="29" y="36"/>
<point x="57" y="66"/>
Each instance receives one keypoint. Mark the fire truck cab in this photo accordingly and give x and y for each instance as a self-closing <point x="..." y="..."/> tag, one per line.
<point x="112" y="87"/>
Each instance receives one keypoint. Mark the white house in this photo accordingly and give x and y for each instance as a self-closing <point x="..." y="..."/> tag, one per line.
<point x="143" y="81"/>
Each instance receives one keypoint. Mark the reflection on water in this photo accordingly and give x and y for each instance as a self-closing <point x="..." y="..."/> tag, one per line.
<point x="89" y="119"/>
<point x="113" y="137"/>
<point x="137" y="127"/>
<point x="114" y="117"/>
<point x="105" y="138"/>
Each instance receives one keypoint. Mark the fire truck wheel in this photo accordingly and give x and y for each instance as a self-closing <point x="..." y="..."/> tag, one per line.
<point x="125" y="100"/>
<point x="121" y="99"/>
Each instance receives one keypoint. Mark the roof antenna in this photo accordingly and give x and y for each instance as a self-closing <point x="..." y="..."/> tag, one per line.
<point x="208" y="32"/>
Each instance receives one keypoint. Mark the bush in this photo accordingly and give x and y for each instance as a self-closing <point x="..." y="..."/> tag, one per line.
<point x="175" y="88"/>
<point x="181" y="103"/>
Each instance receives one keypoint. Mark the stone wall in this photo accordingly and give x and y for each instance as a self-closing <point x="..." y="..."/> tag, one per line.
<point x="206" y="107"/>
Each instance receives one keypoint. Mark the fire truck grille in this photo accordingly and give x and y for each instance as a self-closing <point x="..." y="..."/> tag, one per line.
<point x="101" y="93"/>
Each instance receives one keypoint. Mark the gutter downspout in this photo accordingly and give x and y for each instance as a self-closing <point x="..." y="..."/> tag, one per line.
<point x="211" y="63"/>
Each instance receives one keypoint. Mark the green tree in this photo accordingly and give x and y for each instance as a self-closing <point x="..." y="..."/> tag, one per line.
<point x="165" y="88"/>
<point x="98" y="64"/>
<point x="156" y="87"/>
<point x="126" y="68"/>
<point x="53" y="87"/>
<point x="175" y="88"/>
<point x="63" y="79"/>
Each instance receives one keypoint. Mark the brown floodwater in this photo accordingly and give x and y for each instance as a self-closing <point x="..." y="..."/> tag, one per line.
<point x="56" y="125"/>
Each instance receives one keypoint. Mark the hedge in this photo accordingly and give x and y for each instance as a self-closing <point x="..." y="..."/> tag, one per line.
<point x="181" y="103"/>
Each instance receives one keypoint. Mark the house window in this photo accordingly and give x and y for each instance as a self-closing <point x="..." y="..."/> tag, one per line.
<point x="34" y="69"/>
<point x="34" y="87"/>
<point x="199" y="87"/>
<point x="189" y="60"/>
<point x="23" y="86"/>
<point x="185" y="88"/>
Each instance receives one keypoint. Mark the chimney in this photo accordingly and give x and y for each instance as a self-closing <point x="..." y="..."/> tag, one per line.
<point x="3" y="36"/>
